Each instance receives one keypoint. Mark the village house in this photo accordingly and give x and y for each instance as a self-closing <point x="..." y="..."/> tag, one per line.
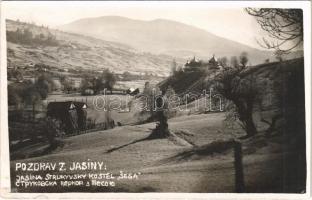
<point x="73" y="115"/>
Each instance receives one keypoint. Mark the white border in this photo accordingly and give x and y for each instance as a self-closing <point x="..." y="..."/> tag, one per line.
<point x="4" y="136"/>
<point x="4" y="147"/>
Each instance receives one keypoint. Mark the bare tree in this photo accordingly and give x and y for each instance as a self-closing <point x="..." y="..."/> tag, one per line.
<point x="284" y="26"/>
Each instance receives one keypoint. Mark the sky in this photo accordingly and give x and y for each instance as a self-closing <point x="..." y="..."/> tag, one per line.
<point x="230" y="22"/>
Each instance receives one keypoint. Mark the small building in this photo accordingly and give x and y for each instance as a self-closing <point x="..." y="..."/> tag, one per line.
<point x="193" y="65"/>
<point x="213" y="63"/>
<point x="133" y="91"/>
<point x="69" y="113"/>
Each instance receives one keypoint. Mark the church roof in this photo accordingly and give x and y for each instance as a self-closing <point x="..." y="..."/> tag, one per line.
<point x="212" y="60"/>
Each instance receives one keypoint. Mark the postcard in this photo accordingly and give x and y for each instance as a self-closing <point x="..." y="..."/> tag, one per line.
<point x="164" y="99"/>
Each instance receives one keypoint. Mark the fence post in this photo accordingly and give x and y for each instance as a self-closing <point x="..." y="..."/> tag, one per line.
<point x="238" y="164"/>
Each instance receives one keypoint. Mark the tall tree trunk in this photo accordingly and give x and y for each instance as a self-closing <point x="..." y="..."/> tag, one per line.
<point x="250" y="126"/>
<point x="245" y="116"/>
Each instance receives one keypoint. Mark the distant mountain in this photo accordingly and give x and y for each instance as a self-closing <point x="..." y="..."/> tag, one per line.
<point x="164" y="37"/>
<point x="75" y="51"/>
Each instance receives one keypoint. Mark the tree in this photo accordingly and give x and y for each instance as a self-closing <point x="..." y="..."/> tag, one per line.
<point x="97" y="84"/>
<point x="44" y="84"/>
<point x="18" y="75"/>
<point x="85" y="85"/>
<point x="149" y="98"/>
<point x="284" y="26"/>
<point x="173" y="67"/>
<point x="32" y="97"/>
<point x="243" y="59"/>
<point x="242" y="92"/>
<point x="53" y="129"/>
<point x="28" y="93"/>
<point x="234" y="62"/>
<point x="67" y="84"/>
<point x="155" y="103"/>
<point x="223" y="61"/>
<point x="109" y="79"/>
<point x="161" y="130"/>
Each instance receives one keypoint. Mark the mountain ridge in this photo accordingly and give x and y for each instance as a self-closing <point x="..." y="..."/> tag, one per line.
<point x="164" y="36"/>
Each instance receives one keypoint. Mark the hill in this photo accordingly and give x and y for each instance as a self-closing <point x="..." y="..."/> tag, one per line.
<point x="197" y="81"/>
<point x="74" y="51"/>
<point x="164" y="36"/>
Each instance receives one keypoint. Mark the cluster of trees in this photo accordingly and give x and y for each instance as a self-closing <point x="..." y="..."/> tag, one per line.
<point x="26" y="36"/>
<point x="29" y="93"/>
<point x="236" y="62"/>
<point x="106" y="80"/>
<point x="67" y="84"/>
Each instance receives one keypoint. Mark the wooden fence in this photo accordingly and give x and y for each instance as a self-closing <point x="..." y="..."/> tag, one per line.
<point x="93" y="128"/>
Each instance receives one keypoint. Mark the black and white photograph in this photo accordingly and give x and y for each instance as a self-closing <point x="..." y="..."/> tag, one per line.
<point x="155" y="97"/>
